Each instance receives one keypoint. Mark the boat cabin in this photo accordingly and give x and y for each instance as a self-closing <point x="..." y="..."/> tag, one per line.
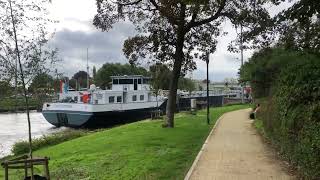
<point x="125" y="89"/>
<point x="130" y="83"/>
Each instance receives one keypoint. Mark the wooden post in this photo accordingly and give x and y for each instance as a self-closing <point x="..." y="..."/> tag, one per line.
<point x="6" y="173"/>
<point x="47" y="168"/>
<point x="25" y="170"/>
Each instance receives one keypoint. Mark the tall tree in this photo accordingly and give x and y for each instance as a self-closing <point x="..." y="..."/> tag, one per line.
<point x="22" y="38"/>
<point x="177" y="31"/>
<point x="94" y="72"/>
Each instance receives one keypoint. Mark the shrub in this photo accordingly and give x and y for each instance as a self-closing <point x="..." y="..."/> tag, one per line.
<point x="22" y="147"/>
<point x="291" y="116"/>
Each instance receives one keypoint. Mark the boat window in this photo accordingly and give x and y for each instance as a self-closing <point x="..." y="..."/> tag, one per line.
<point x="139" y="81"/>
<point x="119" y="99"/>
<point x="111" y="99"/>
<point x="99" y="96"/>
<point x="125" y="81"/>
<point x="141" y="97"/>
<point x="146" y="81"/>
<point x="115" y="81"/>
<point x="134" y="98"/>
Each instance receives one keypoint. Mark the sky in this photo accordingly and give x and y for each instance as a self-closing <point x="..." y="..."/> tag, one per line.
<point x="74" y="33"/>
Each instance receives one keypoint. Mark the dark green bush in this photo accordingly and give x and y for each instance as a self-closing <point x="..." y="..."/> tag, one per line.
<point x="298" y="101"/>
<point x="22" y="147"/>
<point x="291" y="116"/>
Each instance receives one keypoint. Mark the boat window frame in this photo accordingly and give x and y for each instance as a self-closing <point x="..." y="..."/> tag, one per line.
<point x="126" y="81"/>
<point x="111" y="97"/>
<point x="115" y="81"/>
<point x="134" y="98"/>
<point x="119" y="101"/>
<point x="142" y="97"/>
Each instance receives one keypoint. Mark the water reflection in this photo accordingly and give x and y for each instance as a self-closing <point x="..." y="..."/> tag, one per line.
<point x="14" y="127"/>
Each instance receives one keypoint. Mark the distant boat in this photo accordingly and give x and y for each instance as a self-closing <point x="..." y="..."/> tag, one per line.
<point x="129" y="99"/>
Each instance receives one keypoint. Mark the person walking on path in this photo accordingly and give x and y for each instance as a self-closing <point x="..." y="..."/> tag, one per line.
<point x="234" y="151"/>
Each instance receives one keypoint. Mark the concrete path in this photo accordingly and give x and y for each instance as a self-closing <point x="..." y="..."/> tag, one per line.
<point x="234" y="151"/>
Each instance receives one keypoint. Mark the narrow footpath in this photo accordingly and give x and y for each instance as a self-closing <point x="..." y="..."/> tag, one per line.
<point x="235" y="151"/>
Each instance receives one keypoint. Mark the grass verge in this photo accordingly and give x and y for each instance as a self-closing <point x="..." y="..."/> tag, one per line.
<point x="22" y="147"/>
<point x="141" y="150"/>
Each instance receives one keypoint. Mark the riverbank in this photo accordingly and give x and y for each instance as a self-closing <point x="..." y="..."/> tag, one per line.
<point x="10" y="105"/>
<point x="141" y="150"/>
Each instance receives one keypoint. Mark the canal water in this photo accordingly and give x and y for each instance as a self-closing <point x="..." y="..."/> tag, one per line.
<point x="14" y="128"/>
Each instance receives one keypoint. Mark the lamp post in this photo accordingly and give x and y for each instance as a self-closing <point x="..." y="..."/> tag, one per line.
<point x="207" y="61"/>
<point x="241" y="49"/>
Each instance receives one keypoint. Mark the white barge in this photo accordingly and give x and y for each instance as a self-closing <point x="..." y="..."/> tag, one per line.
<point x="129" y="99"/>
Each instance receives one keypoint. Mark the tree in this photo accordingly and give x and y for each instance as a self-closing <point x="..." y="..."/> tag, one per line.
<point x="94" y="72"/>
<point x="103" y="79"/>
<point x="41" y="81"/>
<point x="177" y="31"/>
<point x="299" y="26"/>
<point x="22" y="38"/>
<point x="186" y="84"/>
<point x="81" y="78"/>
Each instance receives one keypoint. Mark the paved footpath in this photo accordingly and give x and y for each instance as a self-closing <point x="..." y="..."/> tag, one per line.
<point x="234" y="151"/>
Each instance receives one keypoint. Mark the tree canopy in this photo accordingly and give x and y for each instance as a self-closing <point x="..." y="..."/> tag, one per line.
<point x="299" y="26"/>
<point x="41" y="81"/>
<point x="103" y="79"/>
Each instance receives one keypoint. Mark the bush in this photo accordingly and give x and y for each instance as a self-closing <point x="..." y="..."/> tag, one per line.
<point x="22" y="147"/>
<point x="291" y="116"/>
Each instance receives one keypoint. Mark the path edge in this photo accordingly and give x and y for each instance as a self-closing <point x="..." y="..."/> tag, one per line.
<point x="188" y="175"/>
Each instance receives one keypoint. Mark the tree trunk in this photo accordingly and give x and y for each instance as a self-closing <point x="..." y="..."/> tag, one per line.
<point x="171" y="104"/>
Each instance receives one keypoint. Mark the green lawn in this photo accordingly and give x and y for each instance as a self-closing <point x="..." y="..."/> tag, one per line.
<point x="141" y="150"/>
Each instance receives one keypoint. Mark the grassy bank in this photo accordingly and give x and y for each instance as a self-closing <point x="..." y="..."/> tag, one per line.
<point x="141" y="150"/>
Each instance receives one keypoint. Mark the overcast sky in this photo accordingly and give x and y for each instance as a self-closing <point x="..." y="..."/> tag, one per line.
<point x="75" y="33"/>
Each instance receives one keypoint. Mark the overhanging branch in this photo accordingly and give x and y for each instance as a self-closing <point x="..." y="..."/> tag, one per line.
<point x="192" y="24"/>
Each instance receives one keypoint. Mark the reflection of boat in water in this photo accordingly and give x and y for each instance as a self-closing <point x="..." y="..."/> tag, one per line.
<point x="129" y="99"/>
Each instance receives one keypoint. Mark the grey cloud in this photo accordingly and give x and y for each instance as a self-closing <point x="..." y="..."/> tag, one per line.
<point x="103" y="46"/>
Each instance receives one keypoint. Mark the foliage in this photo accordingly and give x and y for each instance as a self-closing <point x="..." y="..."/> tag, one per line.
<point x="160" y="74"/>
<point x="79" y="79"/>
<point x="138" y="150"/>
<point x="299" y="26"/>
<point x="11" y="104"/>
<point x="5" y="89"/>
<point x="103" y="79"/>
<point x="30" y="21"/>
<point x="41" y="82"/>
<point x="263" y="68"/>
<point x="176" y="32"/>
<point x="22" y="147"/>
<point x="186" y="84"/>
<point x="291" y="114"/>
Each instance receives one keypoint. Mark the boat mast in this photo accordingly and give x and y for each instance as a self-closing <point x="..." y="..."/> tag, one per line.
<point x="87" y="71"/>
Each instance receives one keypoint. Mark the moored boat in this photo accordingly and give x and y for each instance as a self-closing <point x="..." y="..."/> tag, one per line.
<point x="129" y="99"/>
